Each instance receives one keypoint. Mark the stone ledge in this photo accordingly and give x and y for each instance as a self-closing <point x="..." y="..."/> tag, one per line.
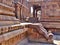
<point x="8" y="18"/>
<point x="8" y="7"/>
<point x="5" y="12"/>
<point x="9" y="28"/>
<point x="51" y="24"/>
<point x="12" y="34"/>
<point x="3" y="23"/>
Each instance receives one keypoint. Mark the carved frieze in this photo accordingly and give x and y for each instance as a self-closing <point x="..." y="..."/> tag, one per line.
<point x="51" y="8"/>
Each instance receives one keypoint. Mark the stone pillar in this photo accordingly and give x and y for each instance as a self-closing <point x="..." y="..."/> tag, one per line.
<point x="16" y="10"/>
<point x="33" y="11"/>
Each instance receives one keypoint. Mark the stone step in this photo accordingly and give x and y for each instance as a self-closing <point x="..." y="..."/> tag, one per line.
<point x="57" y="37"/>
<point x="56" y="33"/>
<point x="12" y="34"/>
<point x="5" y="12"/>
<point x="6" y="6"/>
<point x="8" y="18"/>
<point x="9" y="28"/>
<point x="39" y="44"/>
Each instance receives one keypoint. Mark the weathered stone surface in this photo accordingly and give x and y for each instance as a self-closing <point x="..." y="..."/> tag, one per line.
<point x="8" y="2"/>
<point x="8" y="37"/>
<point x="51" y="9"/>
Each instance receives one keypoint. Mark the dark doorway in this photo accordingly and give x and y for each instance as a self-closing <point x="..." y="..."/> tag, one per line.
<point x="36" y="11"/>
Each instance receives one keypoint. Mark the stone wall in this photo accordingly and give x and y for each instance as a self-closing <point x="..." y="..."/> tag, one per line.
<point x="51" y="9"/>
<point x="51" y="14"/>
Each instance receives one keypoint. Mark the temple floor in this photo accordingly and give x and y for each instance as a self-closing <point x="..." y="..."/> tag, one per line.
<point x="26" y="42"/>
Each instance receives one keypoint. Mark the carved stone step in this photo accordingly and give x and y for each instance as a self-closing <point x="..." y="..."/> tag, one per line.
<point x="9" y="28"/>
<point x="8" y="22"/>
<point x="6" y="6"/>
<point x="8" y="18"/>
<point x="5" y="12"/>
<point x="12" y="34"/>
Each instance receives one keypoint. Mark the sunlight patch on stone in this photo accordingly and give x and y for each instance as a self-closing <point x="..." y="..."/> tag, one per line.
<point x="57" y="42"/>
